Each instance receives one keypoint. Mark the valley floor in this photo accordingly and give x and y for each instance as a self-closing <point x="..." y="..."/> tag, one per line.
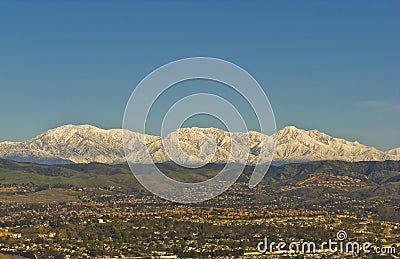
<point x="98" y="222"/>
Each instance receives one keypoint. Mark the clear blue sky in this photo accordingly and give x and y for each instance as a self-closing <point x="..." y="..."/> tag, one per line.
<point x="327" y="65"/>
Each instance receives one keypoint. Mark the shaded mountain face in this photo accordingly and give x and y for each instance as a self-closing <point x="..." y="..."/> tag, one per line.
<point x="85" y="144"/>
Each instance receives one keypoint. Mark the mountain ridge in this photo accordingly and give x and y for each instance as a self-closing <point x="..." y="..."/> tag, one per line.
<point x="86" y="143"/>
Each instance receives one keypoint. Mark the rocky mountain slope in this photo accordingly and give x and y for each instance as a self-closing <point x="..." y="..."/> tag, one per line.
<point x="85" y="143"/>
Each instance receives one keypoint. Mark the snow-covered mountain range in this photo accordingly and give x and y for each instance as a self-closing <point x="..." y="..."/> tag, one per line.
<point x="85" y="143"/>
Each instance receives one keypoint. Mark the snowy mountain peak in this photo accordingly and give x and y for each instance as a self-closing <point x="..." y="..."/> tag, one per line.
<point x="394" y="152"/>
<point x="290" y="128"/>
<point x="86" y="143"/>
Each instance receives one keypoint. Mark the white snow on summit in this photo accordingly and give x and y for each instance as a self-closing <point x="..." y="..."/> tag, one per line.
<point x="85" y="144"/>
